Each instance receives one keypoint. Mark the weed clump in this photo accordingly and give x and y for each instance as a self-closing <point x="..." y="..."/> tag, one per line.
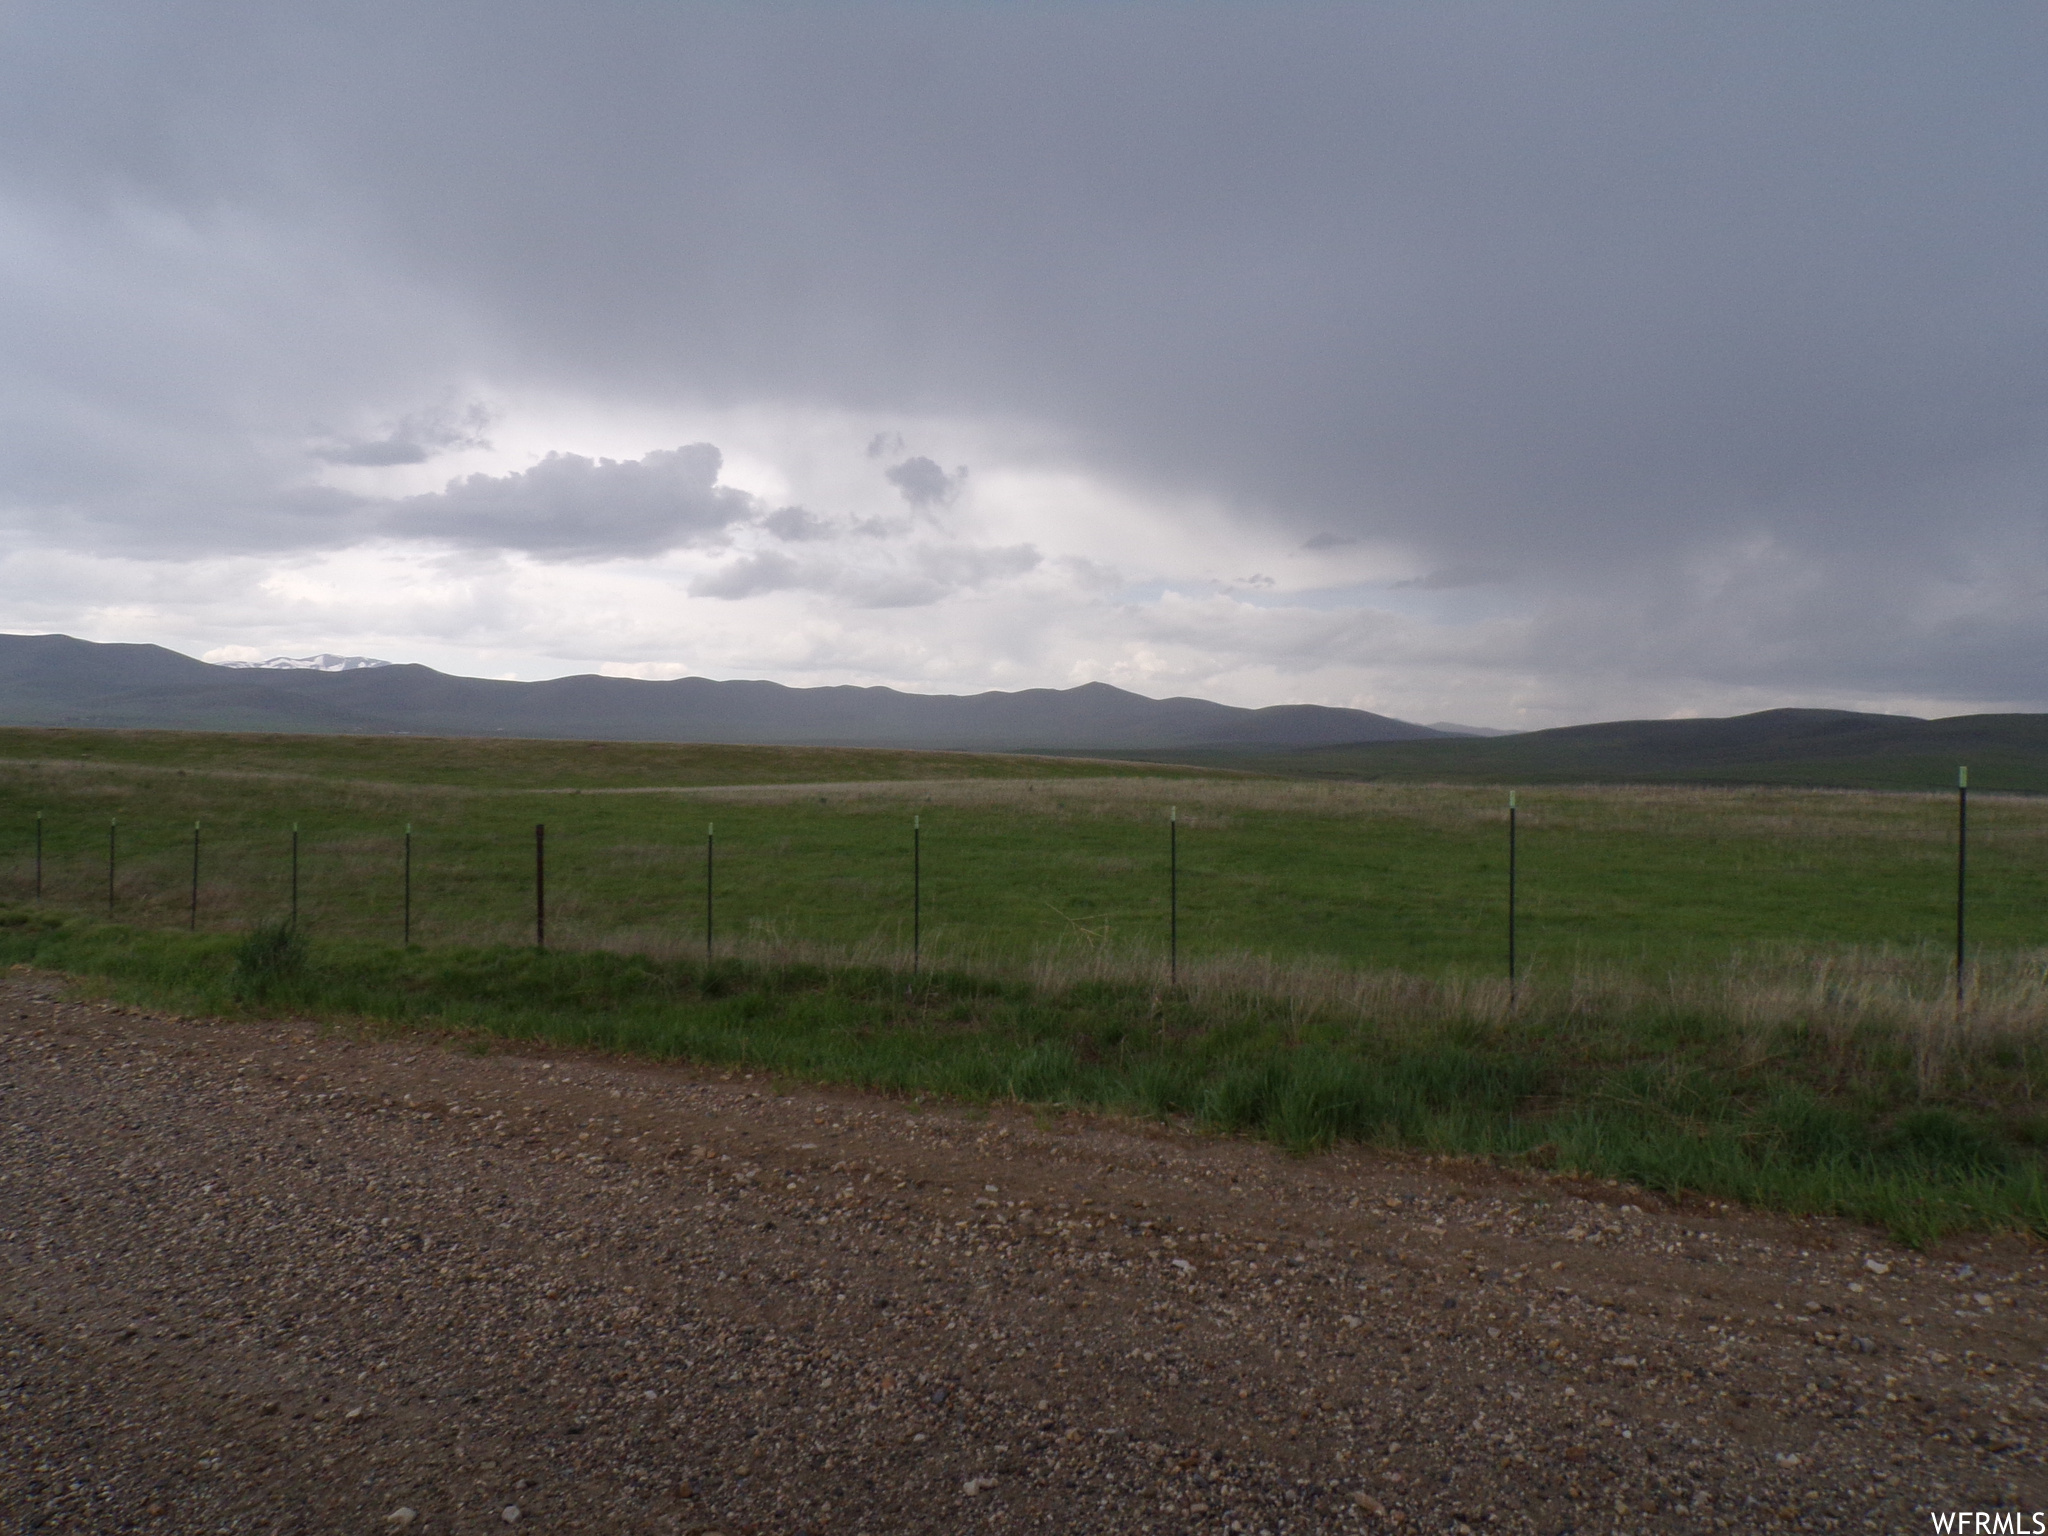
<point x="270" y="962"/>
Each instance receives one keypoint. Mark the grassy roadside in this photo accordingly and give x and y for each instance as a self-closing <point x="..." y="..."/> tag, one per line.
<point x="1677" y="1095"/>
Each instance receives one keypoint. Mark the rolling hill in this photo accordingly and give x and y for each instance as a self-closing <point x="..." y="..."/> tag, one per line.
<point x="1827" y="747"/>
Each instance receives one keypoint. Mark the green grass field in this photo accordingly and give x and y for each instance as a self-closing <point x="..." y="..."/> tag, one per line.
<point x="1743" y="992"/>
<point x="1019" y="854"/>
<point x="479" y="763"/>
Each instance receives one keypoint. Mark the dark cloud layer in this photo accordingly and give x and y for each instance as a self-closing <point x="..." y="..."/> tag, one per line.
<point x="1721" y="328"/>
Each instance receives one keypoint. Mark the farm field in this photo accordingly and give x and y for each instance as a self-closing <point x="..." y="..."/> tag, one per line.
<point x="1741" y="991"/>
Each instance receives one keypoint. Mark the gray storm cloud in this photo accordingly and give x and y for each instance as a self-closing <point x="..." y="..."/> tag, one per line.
<point x="914" y="576"/>
<point x="1454" y="577"/>
<point x="568" y="507"/>
<point x="923" y="483"/>
<point x="796" y="525"/>
<point x="750" y="576"/>
<point x="1720" y="327"/>
<point x="376" y="453"/>
<point x="414" y="439"/>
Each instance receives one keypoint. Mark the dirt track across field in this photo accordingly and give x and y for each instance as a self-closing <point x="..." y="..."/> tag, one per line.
<point x="260" y="1277"/>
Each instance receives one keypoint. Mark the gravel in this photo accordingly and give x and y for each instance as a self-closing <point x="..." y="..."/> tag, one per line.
<point x="264" y="1277"/>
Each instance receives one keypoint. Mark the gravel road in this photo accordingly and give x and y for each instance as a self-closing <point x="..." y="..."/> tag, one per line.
<point x="260" y="1277"/>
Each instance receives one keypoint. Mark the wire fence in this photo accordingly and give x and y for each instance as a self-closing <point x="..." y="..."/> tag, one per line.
<point x="394" y="885"/>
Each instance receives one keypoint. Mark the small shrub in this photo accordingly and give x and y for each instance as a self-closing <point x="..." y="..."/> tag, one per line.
<point x="270" y="961"/>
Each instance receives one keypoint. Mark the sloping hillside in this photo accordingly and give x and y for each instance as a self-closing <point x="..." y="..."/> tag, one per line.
<point x="1778" y="746"/>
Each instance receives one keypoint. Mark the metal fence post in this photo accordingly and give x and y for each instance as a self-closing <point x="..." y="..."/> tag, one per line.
<point x="1962" y="873"/>
<point x="1173" y="896"/>
<point x="1514" y="978"/>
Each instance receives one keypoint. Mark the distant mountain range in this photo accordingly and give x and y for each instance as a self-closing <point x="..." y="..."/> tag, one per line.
<point x="56" y="680"/>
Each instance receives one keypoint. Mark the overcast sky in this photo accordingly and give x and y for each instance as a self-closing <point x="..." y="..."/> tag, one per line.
<point x="1514" y="364"/>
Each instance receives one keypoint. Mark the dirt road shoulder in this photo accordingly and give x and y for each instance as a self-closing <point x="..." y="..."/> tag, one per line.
<point x="262" y="1277"/>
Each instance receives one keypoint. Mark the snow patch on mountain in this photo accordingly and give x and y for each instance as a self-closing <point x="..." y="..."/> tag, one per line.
<point x="320" y="663"/>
